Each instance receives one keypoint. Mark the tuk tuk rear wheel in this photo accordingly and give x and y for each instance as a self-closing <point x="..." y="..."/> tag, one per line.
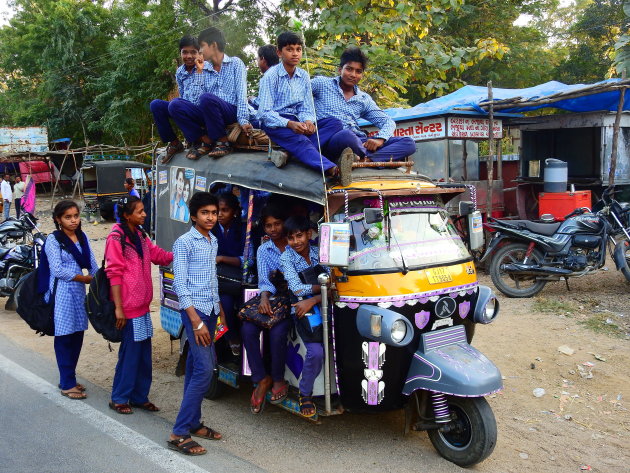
<point x="471" y="434"/>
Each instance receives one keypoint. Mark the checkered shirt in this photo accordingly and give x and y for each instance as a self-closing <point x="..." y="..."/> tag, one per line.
<point x="229" y="84"/>
<point x="330" y="102"/>
<point x="70" y="315"/>
<point x="194" y="265"/>
<point x="280" y="94"/>
<point x="267" y="260"/>
<point x="185" y="80"/>
<point x="292" y="264"/>
<point x="142" y="327"/>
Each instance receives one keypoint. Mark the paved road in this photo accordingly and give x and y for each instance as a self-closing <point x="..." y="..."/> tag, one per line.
<point x="43" y="431"/>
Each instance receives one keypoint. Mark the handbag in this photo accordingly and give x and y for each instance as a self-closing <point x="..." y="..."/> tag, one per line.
<point x="280" y="306"/>
<point x="230" y="279"/>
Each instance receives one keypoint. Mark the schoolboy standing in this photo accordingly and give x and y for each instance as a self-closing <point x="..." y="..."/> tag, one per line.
<point x="183" y="110"/>
<point x="299" y="256"/>
<point x="341" y="98"/>
<point x="196" y="286"/>
<point x="287" y="115"/>
<point x="225" y="98"/>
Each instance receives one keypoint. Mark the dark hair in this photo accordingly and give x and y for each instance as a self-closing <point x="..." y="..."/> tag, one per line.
<point x="296" y="223"/>
<point x="61" y="208"/>
<point x="353" y="54"/>
<point x="18" y="177"/>
<point x="188" y="40"/>
<point x="231" y="201"/>
<point x="288" y="38"/>
<point x="127" y="206"/>
<point x="271" y="210"/>
<point x="269" y="53"/>
<point x="212" y="35"/>
<point x="201" y="199"/>
<point x="130" y="181"/>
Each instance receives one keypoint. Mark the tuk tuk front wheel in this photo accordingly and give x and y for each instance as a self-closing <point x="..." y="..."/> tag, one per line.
<point x="470" y="436"/>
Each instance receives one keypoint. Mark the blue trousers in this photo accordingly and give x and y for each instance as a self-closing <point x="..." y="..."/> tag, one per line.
<point x="313" y="363"/>
<point x="162" y="119"/>
<point x="199" y="370"/>
<point x="133" y="375"/>
<point x="217" y="115"/>
<point x="67" y="351"/>
<point x="304" y="147"/>
<point x="7" y="209"/>
<point x="232" y="321"/>
<point x="277" y="348"/>
<point x="188" y="117"/>
<point x="394" y="149"/>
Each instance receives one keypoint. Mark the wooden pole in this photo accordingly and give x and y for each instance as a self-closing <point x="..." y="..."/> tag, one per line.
<point x="465" y="158"/>
<point x="54" y="189"/>
<point x="490" y="160"/>
<point x="615" y="139"/>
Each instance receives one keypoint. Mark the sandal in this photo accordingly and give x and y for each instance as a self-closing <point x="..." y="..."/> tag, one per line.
<point x="258" y="404"/>
<point x="306" y="403"/>
<point x="184" y="445"/>
<point x="124" y="409"/>
<point x="345" y="167"/>
<point x="147" y="406"/>
<point x="74" y="395"/>
<point x="209" y="435"/>
<point x="78" y="387"/>
<point x="196" y="153"/>
<point x="172" y="150"/>
<point x="221" y="149"/>
<point x="279" y="395"/>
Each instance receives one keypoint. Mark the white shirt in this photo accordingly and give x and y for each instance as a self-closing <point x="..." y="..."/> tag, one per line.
<point x="18" y="189"/>
<point x="5" y="188"/>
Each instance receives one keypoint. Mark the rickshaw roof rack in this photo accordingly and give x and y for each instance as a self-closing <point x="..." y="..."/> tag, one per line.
<point x="365" y="174"/>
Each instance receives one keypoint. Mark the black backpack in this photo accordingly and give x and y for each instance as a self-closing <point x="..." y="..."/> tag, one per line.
<point x="101" y="310"/>
<point x="33" y="308"/>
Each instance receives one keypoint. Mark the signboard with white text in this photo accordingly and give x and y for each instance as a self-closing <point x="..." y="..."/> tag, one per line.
<point x="418" y="130"/>
<point x="466" y="127"/>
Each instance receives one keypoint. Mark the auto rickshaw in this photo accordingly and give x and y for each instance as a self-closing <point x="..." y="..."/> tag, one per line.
<point x="399" y="309"/>
<point x="103" y="185"/>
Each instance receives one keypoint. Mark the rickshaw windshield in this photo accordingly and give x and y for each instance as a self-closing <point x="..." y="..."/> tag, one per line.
<point x="420" y="235"/>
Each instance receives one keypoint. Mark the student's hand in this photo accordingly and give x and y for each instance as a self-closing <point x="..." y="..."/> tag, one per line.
<point x="297" y="127"/>
<point x="247" y="128"/>
<point x="310" y="127"/>
<point x="265" y="307"/>
<point x="199" y="63"/>
<point x="121" y="320"/>
<point x="219" y="259"/>
<point x="374" y="143"/>
<point x="202" y="336"/>
<point x="302" y="307"/>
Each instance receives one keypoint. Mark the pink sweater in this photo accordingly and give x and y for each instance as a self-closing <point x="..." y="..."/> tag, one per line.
<point x="132" y="273"/>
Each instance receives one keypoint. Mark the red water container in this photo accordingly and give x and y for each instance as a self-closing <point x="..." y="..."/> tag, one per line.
<point x="560" y="204"/>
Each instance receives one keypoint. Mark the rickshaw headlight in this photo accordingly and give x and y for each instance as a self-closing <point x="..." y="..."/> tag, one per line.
<point x="490" y="310"/>
<point x="486" y="306"/>
<point x="398" y="331"/>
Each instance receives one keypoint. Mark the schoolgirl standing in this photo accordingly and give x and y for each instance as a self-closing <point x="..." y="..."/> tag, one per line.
<point x="66" y="256"/>
<point x="128" y="257"/>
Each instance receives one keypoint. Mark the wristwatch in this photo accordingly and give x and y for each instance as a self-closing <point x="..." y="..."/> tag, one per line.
<point x="199" y="326"/>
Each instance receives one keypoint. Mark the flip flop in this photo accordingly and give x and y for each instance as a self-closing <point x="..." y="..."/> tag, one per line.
<point x="74" y="395"/>
<point x="184" y="444"/>
<point x="147" y="406"/>
<point x="283" y="392"/>
<point x="306" y="402"/>
<point x="79" y="387"/>
<point x="256" y="406"/>
<point x="124" y="409"/>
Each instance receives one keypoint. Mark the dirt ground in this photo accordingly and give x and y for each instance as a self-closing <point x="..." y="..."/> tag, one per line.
<point x="581" y="423"/>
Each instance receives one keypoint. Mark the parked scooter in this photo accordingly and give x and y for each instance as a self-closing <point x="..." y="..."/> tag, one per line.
<point x="14" y="231"/>
<point x="15" y="263"/>
<point x="525" y="255"/>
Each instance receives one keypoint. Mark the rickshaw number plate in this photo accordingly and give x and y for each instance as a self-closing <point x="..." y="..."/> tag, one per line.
<point x="439" y="275"/>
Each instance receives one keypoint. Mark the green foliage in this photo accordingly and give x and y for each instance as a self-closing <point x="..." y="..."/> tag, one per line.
<point x="622" y="48"/>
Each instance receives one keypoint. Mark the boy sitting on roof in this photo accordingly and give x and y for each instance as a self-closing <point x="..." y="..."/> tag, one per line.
<point x="341" y="98"/>
<point x="183" y="110"/>
<point x="267" y="58"/>
<point x="225" y="98"/>
<point x="286" y="113"/>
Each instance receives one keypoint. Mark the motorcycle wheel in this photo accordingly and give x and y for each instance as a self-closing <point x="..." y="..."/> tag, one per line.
<point x="472" y="433"/>
<point x="511" y="285"/>
<point x="625" y="270"/>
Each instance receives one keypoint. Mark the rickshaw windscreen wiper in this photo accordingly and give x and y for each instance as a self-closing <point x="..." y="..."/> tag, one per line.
<point x="405" y="269"/>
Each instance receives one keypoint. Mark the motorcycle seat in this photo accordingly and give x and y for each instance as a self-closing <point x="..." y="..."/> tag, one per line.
<point x="546" y="229"/>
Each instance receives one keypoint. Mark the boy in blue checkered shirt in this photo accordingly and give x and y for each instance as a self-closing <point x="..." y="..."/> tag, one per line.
<point x="197" y="289"/>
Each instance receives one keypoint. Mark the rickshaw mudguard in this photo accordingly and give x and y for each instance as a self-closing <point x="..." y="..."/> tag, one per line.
<point x="446" y="363"/>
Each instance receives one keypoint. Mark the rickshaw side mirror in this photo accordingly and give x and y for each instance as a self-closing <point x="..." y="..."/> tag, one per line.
<point x="475" y="230"/>
<point x="466" y="208"/>
<point x="373" y="215"/>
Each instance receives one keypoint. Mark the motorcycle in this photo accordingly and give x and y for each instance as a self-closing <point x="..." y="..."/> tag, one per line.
<point x="15" y="263"/>
<point x="526" y="254"/>
<point x="15" y="231"/>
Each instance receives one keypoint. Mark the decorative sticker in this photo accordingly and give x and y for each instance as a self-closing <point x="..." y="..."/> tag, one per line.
<point x="181" y="189"/>
<point x="200" y="183"/>
<point x="163" y="177"/>
<point x="372" y="388"/>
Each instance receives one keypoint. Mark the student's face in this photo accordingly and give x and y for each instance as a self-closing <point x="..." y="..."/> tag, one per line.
<point x="206" y="217"/>
<point x="351" y="73"/>
<point x="189" y="54"/>
<point x="137" y="216"/>
<point x="299" y="240"/>
<point x="179" y="183"/>
<point x="291" y="54"/>
<point x="261" y="62"/>
<point x="207" y="50"/>
<point x="70" y="219"/>
<point x="127" y="186"/>
<point x="273" y="228"/>
<point x="226" y="213"/>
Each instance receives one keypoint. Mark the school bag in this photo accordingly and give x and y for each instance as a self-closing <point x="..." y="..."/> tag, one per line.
<point x="33" y="308"/>
<point x="101" y="310"/>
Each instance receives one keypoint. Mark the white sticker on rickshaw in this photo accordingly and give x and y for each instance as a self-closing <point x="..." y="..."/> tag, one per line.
<point x="372" y="388"/>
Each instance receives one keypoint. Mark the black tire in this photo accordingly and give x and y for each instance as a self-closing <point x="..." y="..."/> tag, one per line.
<point x="625" y="270"/>
<point x="216" y="389"/>
<point x="512" y="286"/>
<point x="473" y="433"/>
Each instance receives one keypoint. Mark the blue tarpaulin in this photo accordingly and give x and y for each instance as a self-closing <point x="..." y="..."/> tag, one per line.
<point x="471" y="96"/>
